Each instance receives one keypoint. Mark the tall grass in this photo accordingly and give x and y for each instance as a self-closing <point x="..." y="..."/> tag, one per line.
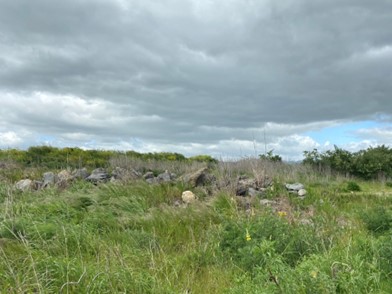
<point x="134" y="238"/>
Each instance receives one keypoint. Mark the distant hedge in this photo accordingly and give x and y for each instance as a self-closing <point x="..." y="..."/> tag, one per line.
<point x="56" y="158"/>
<point x="372" y="163"/>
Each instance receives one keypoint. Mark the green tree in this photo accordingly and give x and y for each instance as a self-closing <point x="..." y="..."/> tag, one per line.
<point x="270" y="156"/>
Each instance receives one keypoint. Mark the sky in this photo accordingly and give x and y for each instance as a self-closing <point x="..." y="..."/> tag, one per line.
<point x="227" y="78"/>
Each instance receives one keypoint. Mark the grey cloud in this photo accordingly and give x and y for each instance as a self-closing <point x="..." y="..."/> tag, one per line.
<point x="210" y="70"/>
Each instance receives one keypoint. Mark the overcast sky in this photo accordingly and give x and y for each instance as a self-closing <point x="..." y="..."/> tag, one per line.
<point x="219" y="77"/>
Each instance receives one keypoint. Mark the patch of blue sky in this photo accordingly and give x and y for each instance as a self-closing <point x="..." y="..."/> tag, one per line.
<point x="341" y="134"/>
<point x="46" y="140"/>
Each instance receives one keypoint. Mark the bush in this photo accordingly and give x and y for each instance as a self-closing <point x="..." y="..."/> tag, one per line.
<point x="352" y="187"/>
<point x="377" y="220"/>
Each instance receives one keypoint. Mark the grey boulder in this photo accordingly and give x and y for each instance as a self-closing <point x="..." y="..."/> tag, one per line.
<point x="294" y="187"/>
<point x="98" y="175"/>
<point x="49" y="179"/>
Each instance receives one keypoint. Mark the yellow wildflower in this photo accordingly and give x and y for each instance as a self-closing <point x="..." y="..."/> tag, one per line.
<point x="247" y="236"/>
<point x="313" y="274"/>
<point x="282" y="213"/>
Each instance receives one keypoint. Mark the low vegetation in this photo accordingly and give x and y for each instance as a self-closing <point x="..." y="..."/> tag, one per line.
<point x="135" y="237"/>
<point x="372" y="163"/>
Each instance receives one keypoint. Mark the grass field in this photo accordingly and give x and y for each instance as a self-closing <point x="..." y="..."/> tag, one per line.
<point x="131" y="238"/>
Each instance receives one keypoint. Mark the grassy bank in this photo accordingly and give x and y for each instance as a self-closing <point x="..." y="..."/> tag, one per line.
<point x="131" y="238"/>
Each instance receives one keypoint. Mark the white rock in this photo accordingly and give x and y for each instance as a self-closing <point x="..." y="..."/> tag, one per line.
<point x="302" y="192"/>
<point x="188" y="197"/>
<point x="24" y="185"/>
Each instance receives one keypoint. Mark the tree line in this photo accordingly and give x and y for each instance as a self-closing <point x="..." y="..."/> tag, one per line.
<point x="57" y="158"/>
<point x="372" y="163"/>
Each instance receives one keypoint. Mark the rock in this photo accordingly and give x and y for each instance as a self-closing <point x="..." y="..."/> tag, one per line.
<point x="148" y="175"/>
<point x="24" y="185"/>
<point x="37" y="185"/>
<point x="63" y="179"/>
<point x="98" y="175"/>
<point x="64" y="176"/>
<point x="267" y="202"/>
<point x="198" y="178"/>
<point x="243" y="186"/>
<point x="188" y="197"/>
<point x="49" y="179"/>
<point x="177" y="203"/>
<point x="151" y="180"/>
<point x="241" y="191"/>
<point x="253" y="192"/>
<point x="302" y="192"/>
<point x="164" y="177"/>
<point x="122" y="174"/>
<point x="306" y="222"/>
<point x="294" y="187"/>
<point x="256" y="193"/>
<point x="80" y="173"/>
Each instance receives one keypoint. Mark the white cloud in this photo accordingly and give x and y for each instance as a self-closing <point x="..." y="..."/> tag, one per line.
<point x="9" y="139"/>
<point x="380" y="135"/>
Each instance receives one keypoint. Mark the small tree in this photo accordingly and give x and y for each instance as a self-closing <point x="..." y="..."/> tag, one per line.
<point x="270" y="156"/>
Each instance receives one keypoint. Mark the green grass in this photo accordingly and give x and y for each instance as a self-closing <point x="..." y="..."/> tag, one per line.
<point x="131" y="238"/>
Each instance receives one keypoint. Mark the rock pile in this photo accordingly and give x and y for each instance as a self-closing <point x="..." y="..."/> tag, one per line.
<point x="164" y="177"/>
<point x="198" y="178"/>
<point x="252" y="187"/>
<point x="64" y="177"/>
<point x="296" y="188"/>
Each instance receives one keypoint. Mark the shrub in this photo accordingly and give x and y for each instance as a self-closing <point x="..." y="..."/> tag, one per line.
<point x="378" y="219"/>
<point x="352" y="187"/>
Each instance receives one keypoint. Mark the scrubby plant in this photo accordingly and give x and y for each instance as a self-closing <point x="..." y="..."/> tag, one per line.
<point x="377" y="219"/>
<point x="352" y="186"/>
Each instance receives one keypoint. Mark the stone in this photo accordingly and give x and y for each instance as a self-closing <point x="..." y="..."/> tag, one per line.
<point x="122" y="174"/>
<point x="241" y="191"/>
<point x="164" y="177"/>
<point x="252" y="192"/>
<point x="64" y="176"/>
<point x="306" y="222"/>
<point x="302" y="192"/>
<point x="80" y="173"/>
<point x="151" y="180"/>
<point x="98" y="175"/>
<point x="49" y="179"/>
<point x="36" y="185"/>
<point x="267" y="202"/>
<point x="148" y="175"/>
<point x="244" y="184"/>
<point x="294" y="187"/>
<point x="24" y="185"/>
<point x="177" y="203"/>
<point x="198" y="178"/>
<point x="188" y="197"/>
